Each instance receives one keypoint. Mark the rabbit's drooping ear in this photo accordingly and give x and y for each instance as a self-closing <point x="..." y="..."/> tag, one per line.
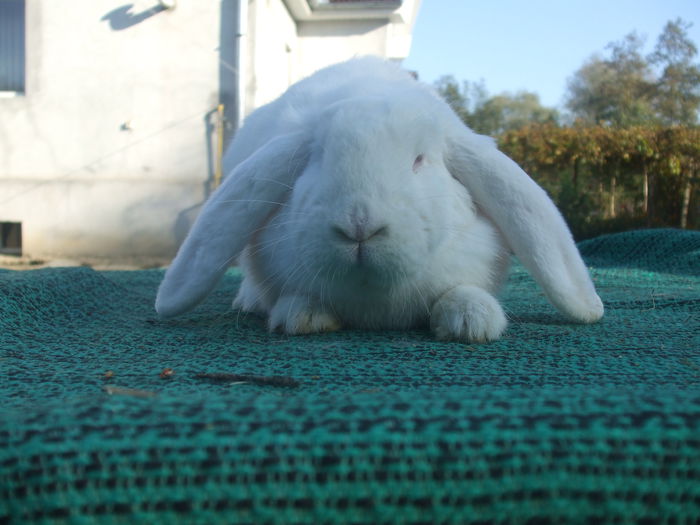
<point x="533" y="227"/>
<point x="247" y="198"/>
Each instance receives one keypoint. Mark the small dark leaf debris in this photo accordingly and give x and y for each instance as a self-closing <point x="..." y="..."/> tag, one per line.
<point x="222" y="377"/>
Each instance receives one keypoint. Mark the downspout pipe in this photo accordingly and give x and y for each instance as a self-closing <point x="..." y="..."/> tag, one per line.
<point x="241" y="62"/>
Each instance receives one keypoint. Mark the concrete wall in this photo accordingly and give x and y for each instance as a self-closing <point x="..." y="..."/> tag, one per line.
<point x="272" y="55"/>
<point x="290" y="41"/>
<point x="327" y="42"/>
<point x="110" y="145"/>
<point x="110" y="152"/>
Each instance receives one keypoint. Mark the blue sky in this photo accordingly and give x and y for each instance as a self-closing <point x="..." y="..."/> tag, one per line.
<point x="534" y="45"/>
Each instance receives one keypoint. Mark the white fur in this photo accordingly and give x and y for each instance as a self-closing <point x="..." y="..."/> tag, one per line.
<point x="359" y="199"/>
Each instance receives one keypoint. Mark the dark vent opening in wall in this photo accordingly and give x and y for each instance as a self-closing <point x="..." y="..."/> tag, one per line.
<point x="11" y="238"/>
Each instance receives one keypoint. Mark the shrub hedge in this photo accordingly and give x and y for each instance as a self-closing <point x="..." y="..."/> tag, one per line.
<point x="612" y="179"/>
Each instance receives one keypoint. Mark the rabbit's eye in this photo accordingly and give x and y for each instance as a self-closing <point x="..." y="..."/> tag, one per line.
<point x="417" y="163"/>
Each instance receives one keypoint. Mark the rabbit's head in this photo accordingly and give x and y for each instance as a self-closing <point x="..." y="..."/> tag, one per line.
<point x="370" y="179"/>
<point x="375" y="199"/>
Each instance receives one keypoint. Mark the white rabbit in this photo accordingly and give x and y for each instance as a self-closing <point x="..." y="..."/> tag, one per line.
<point x="359" y="199"/>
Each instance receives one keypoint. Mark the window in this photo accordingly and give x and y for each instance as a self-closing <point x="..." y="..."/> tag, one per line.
<point x="12" y="46"/>
<point x="11" y="238"/>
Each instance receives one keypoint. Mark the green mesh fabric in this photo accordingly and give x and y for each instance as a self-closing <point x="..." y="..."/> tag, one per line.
<point x="554" y="423"/>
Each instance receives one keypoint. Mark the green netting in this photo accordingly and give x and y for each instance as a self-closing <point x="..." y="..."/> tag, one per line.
<point x="553" y="423"/>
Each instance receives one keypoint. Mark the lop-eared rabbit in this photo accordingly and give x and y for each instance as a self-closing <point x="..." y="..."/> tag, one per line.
<point x="359" y="199"/>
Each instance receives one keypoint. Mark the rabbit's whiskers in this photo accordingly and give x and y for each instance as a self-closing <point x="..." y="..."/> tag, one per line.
<point x="256" y="201"/>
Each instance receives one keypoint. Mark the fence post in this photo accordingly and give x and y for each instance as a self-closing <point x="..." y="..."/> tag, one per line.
<point x="687" y="189"/>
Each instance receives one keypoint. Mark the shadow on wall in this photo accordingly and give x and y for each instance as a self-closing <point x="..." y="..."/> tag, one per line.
<point x="122" y="17"/>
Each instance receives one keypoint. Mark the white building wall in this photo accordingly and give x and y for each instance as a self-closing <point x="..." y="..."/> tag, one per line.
<point x="329" y="36"/>
<point x="289" y="41"/>
<point x="272" y="54"/>
<point x="110" y="152"/>
<point x="110" y="142"/>
<point x="328" y="42"/>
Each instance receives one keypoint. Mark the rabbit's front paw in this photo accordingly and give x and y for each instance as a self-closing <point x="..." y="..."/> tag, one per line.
<point x="248" y="297"/>
<point x="294" y="315"/>
<point x="467" y="313"/>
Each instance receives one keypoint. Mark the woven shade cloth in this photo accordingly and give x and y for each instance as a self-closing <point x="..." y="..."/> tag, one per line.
<point x="554" y="423"/>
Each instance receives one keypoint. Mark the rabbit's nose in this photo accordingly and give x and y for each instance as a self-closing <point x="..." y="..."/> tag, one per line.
<point x="358" y="225"/>
<point x="358" y="232"/>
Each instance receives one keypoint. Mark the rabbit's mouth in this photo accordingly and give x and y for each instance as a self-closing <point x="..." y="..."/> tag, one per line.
<point x="362" y="255"/>
<point x="365" y="266"/>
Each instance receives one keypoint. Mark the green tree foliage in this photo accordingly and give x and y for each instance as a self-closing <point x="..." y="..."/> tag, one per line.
<point x="616" y="90"/>
<point x="626" y="88"/>
<point x="457" y="96"/>
<point x="492" y="115"/>
<point x="632" y="156"/>
<point x="678" y="87"/>
<point x="506" y="112"/>
<point x="607" y="178"/>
